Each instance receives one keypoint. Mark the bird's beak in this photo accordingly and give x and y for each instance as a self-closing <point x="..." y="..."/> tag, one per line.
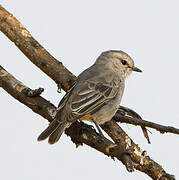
<point x="136" y="69"/>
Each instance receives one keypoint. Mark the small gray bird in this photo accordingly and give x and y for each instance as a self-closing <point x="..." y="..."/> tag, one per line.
<point x="95" y="96"/>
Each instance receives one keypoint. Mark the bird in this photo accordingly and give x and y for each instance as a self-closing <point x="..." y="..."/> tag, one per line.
<point x="95" y="96"/>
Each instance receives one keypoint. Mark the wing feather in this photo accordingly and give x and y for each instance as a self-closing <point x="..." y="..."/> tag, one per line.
<point x="88" y="99"/>
<point x="92" y="97"/>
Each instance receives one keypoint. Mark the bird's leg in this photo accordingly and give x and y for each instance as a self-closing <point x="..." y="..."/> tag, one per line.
<point x="99" y="129"/>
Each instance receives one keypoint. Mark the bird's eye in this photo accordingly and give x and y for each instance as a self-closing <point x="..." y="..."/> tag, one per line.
<point x="124" y="62"/>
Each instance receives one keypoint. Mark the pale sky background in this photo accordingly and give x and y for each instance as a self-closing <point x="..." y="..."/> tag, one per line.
<point x="76" y="32"/>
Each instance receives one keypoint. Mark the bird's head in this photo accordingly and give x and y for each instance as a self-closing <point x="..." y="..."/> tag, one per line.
<point x="121" y="61"/>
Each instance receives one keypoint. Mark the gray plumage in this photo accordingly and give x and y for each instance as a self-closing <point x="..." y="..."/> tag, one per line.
<point x="95" y="96"/>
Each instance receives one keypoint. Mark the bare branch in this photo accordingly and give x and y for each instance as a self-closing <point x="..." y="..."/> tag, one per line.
<point x="141" y="161"/>
<point x="79" y="132"/>
<point x="126" y="111"/>
<point x="18" y="90"/>
<point x="140" y="122"/>
<point x="15" y="31"/>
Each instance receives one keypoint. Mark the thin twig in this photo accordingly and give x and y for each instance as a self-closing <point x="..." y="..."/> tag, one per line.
<point x="134" y="121"/>
<point x="132" y="113"/>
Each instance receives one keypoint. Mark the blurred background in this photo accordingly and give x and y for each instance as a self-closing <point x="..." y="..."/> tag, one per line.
<point x="76" y="32"/>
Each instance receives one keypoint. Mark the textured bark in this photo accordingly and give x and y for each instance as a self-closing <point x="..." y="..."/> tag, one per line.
<point x="142" y="162"/>
<point x="18" y="90"/>
<point x="15" y="31"/>
<point x="79" y="132"/>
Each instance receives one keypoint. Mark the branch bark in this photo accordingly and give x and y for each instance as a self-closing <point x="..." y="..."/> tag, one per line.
<point x="138" y="122"/>
<point x="15" y="31"/>
<point x="79" y="132"/>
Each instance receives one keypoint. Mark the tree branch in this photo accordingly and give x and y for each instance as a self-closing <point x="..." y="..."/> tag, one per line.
<point x="15" y="31"/>
<point x="79" y="132"/>
<point x="141" y="161"/>
<point x="41" y="58"/>
<point x="18" y="90"/>
<point x="138" y="122"/>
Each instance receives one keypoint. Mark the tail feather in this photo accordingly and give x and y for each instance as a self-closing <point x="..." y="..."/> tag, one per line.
<point x="54" y="131"/>
<point x="55" y="136"/>
<point x="49" y="130"/>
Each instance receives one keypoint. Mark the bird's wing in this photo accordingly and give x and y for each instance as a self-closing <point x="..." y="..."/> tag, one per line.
<point x="91" y="97"/>
<point x="82" y="99"/>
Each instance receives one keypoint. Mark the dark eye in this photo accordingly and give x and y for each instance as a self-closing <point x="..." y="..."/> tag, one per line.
<point x="123" y="62"/>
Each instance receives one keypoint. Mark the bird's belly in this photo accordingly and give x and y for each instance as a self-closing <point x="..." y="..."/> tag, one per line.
<point x="106" y="113"/>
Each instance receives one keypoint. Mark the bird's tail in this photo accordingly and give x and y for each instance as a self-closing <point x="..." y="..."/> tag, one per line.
<point x="54" y="131"/>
